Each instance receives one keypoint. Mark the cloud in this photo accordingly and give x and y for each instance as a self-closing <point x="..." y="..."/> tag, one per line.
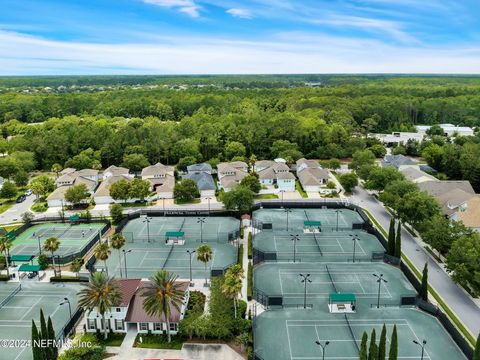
<point x="188" y="7"/>
<point x="240" y="13"/>
<point x="284" y="53"/>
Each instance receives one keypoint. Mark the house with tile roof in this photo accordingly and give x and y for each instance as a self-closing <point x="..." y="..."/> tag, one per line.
<point x="275" y="174"/>
<point x="161" y="178"/>
<point x="102" y="194"/>
<point x="70" y="177"/>
<point x="230" y="174"/>
<point x="115" y="171"/>
<point x="311" y="175"/>
<point x="130" y="315"/>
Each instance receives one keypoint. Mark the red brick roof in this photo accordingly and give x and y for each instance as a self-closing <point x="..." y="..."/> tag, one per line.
<point x="127" y="289"/>
<point x="136" y="313"/>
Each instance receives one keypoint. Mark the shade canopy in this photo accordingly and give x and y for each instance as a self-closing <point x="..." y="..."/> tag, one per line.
<point x="312" y="223"/>
<point x="174" y="233"/>
<point x="16" y="258"/>
<point x="29" y="268"/>
<point x="342" y="297"/>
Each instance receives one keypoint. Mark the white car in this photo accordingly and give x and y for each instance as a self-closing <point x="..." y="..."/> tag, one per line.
<point x="28" y="192"/>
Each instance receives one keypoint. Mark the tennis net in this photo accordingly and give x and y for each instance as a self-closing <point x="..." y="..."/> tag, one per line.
<point x="331" y="279"/>
<point x="314" y="236"/>
<point x="9" y="297"/>
<point x="351" y="332"/>
<point x="168" y="255"/>
<point x="183" y="223"/>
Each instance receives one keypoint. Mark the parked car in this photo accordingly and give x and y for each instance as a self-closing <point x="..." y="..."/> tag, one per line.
<point x="28" y="192"/>
<point x="21" y="199"/>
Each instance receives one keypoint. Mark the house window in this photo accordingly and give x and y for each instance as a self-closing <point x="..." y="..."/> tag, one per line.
<point x="91" y="324"/>
<point x="118" y="309"/>
<point x="119" y="324"/>
<point x="143" y="326"/>
<point x="173" y="327"/>
<point x="157" y="326"/>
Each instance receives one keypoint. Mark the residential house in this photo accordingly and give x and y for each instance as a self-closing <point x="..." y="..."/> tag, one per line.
<point x="230" y="174"/>
<point x="397" y="161"/>
<point x="311" y="175"/>
<point x="115" y="171"/>
<point x="70" y="177"/>
<point x="469" y="215"/>
<point x="416" y="175"/>
<point x="203" y="167"/>
<point x="102" y="194"/>
<point x="275" y="174"/>
<point x="204" y="181"/>
<point x="130" y="315"/>
<point x="399" y="138"/>
<point x="162" y="178"/>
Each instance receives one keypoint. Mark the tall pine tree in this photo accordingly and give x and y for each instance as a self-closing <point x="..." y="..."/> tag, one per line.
<point x="373" y="350"/>
<point x="398" y="241"/>
<point x="363" y="347"/>
<point x="391" y="238"/>
<point x="36" y="351"/>
<point x="476" y="353"/>
<point x="393" y="353"/>
<point x="382" y="344"/>
<point x="424" y="288"/>
<point x="53" y="350"/>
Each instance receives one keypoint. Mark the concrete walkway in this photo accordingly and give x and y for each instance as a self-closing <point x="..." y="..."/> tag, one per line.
<point x="456" y="298"/>
<point x="129" y="339"/>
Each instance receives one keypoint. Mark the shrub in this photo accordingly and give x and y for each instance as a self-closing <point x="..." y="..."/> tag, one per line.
<point x="242" y="308"/>
<point x="116" y="212"/>
<point x="242" y="230"/>
<point x="240" y="255"/>
<point x="43" y="261"/>
<point x="68" y="279"/>
<point x="94" y="352"/>
<point x="4" y="277"/>
<point x="250" y="282"/>
<point x="250" y="246"/>
<point x="196" y="301"/>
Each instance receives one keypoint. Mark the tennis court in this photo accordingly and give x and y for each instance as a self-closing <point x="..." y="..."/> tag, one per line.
<point x="72" y="237"/>
<point x="146" y="258"/>
<point x="291" y="334"/>
<point x="289" y="219"/>
<point x="194" y="228"/>
<point x="17" y="313"/>
<point x="324" y="246"/>
<point x="281" y="279"/>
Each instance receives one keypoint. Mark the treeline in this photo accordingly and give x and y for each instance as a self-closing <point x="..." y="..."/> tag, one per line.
<point x="394" y="104"/>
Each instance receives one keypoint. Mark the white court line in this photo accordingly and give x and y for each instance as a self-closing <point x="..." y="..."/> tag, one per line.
<point x="341" y="247"/>
<point x="360" y="283"/>
<point x="144" y="256"/>
<point x="288" y="337"/>
<point x="31" y="308"/>
<point x="21" y="352"/>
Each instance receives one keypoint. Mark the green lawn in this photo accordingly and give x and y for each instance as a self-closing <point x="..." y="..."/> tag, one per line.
<point x="150" y="341"/>
<point x="300" y="189"/>
<point x="39" y="206"/>
<point x="136" y="204"/>
<point x="183" y="202"/>
<point x="112" y="339"/>
<point x="4" y="206"/>
<point x="266" y="196"/>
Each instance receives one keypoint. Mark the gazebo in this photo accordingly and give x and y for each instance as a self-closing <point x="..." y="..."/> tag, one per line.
<point x="174" y="238"/>
<point x="342" y="303"/>
<point x="312" y="226"/>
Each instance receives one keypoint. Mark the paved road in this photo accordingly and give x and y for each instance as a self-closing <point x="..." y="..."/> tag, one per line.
<point x="14" y="214"/>
<point x="455" y="297"/>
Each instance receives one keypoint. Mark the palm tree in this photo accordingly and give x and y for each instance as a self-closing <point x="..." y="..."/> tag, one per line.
<point x="56" y="168"/>
<point x="117" y="242"/>
<point x="5" y="245"/>
<point x="76" y="265"/>
<point x="161" y="294"/>
<point x="52" y="244"/>
<point x="235" y="271"/>
<point x="102" y="252"/>
<point x="230" y="288"/>
<point x="101" y="293"/>
<point x="204" y="254"/>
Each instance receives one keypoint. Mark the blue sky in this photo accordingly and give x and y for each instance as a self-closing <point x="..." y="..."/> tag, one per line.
<point x="230" y="36"/>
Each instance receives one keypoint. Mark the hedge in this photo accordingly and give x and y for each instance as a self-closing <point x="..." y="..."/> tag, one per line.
<point x="68" y="279"/>
<point x="250" y="246"/>
<point x="250" y="282"/>
<point x="240" y="256"/>
<point x="4" y="278"/>
<point x="241" y="232"/>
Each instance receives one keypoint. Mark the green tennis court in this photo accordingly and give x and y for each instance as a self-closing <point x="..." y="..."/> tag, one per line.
<point x="294" y="218"/>
<point x="72" y="237"/>
<point x="17" y="313"/>
<point x="194" y="228"/>
<point x="291" y="334"/>
<point x="324" y="246"/>
<point x="282" y="279"/>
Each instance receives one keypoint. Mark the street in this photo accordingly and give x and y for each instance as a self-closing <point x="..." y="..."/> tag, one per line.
<point x="14" y="214"/>
<point x="463" y="306"/>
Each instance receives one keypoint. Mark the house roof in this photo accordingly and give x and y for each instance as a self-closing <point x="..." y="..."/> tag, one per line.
<point x="396" y="160"/>
<point x="416" y="175"/>
<point x="136" y="313"/>
<point x="264" y="163"/>
<point x="116" y="170"/>
<point x="471" y="216"/>
<point x="58" y="193"/>
<point x="158" y="168"/>
<point x="312" y="176"/>
<point x="86" y="172"/>
<point x="438" y="188"/>
<point x="104" y="187"/>
<point x="451" y="200"/>
<point x="308" y="163"/>
<point x="275" y="171"/>
<point x="67" y="171"/>
<point x="203" y="180"/>
<point x="165" y="184"/>
<point x="127" y="289"/>
<point x="199" y="167"/>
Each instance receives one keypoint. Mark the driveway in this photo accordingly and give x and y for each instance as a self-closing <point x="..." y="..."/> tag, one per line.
<point x="14" y="214"/>
<point x="459" y="301"/>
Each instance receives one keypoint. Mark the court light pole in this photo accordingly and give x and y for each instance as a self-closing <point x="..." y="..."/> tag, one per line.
<point x="323" y="346"/>
<point x="355" y="238"/>
<point x="201" y="221"/>
<point x="208" y="199"/>
<point x="338" y="211"/>
<point x="281" y="192"/>
<point x="190" y="253"/>
<point x="67" y="301"/>
<point x="422" y="345"/>
<point x="287" y="211"/>
<point x="305" y="280"/>
<point x="125" y="260"/>
<point x="39" y="245"/>
<point x="380" y="279"/>
<point x="147" y="220"/>
<point x="295" y="238"/>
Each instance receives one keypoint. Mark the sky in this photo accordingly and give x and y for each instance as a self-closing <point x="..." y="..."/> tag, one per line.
<point x="61" y="37"/>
